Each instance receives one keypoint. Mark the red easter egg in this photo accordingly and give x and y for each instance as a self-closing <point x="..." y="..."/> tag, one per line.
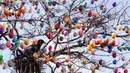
<point x="114" y="54"/>
<point x="8" y="43"/>
<point x="57" y="64"/>
<point x="48" y="34"/>
<point x="113" y="42"/>
<point x="11" y="35"/>
<point x="125" y="71"/>
<point x="90" y="13"/>
<point x="49" y="48"/>
<point x="57" y="26"/>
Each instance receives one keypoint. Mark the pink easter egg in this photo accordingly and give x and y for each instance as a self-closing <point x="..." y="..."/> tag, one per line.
<point x="8" y="43"/>
<point x="115" y="70"/>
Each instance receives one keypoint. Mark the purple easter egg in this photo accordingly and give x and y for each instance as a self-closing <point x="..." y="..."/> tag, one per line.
<point x="1" y="30"/>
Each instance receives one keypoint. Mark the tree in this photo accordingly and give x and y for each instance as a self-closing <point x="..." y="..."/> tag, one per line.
<point x="74" y="35"/>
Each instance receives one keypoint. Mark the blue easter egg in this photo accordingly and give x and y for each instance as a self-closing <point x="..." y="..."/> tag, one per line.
<point x="75" y="19"/>
<point x="114" y="61"/>
<point x="104" y="36"/>
<point x="109" y="50"/>
<point x="109" y="46"/>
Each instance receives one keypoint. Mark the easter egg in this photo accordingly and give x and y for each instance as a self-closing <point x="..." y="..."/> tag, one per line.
<point x="92" y="67"/>
<point x="119" y="27"/>
<point x="1" y="30"/>
<point x="58" y="64"/>
<point x="11" y="35"/>
<point x="49" y="48"/>
<point x="26" y="42"/>
<point x="49" y="34"/>
<point x="112" y="42"/>
<point x="109" y="46"/>
<point x="113" y="35"/>
<point x="92" y="42"/>
<point x="114" y="61"/>
<point x="81" y="33"/>
<point x="92" y="1"/>
<point x="125" y="71"/>
<point x="67" y="59"/>
<point x="115" y="70"/>
<point x="22" y="45"/>
<point x="1" y="57"/>
<point x="114" y="4"/>
<point x="101" y="7"/>
<point x="18" y="13"/>
<point x="126" y="30"/>
<point x="35" y="42"/>
<point x="84" y="62"/>
<point x="90" y="14"/>
<point x="57" y="26"/>
<point x="109" y="50"/>
<point x="75" y="19"/>
<point x="114" y="54"/>
<point x="98" y="41"/>
<point x="96" y="14"/>
<point x="78" y="26"/>
<point x="8" y="43"/>
<point x="69" y="65"/>
<point x="106" y="39"/>
<point x="104" y="36"/>
<point x="65" y="19"/>
<point x="89" y="47"/>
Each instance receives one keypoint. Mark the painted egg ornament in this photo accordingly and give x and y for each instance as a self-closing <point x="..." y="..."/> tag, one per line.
<point x="113" y="35"/>
<point x="104" y="36"/>
<point x="67" y="59"/>
<point x="120" y="49"/>
<point x="1" y="30"/>
<point x="65" y="19"/>
<point x="22" y="45"/>
<point x="75" y="19"/>
<point x="114" y="54"/>
<point x="4" y="66"/>
<point x="84" y="62"/>
<point x="98" y="41"/>
<point x="89" y="47"/>
<point x="114" y="61"/>
<point x="58" y="64"/>
<point x="92" y="67"/>
<point x="114" y="4"/>
<point x="78" y="26"/>
<point x="112" y="42"/>
<point x="106" y="39"/>
<point x="35" y="42"/>
<point x="109" y="46"/>
<point x="40" y="42"/>
<point x="119" y="27"/>
<point x="102" y="62"/>
<point x="49" y="34"/>
<point x="69" y="65"/>
<point x="92" y="43"/>
<point x="57" y="26"/>
<point x="81" y="33"/>
<point x="96" y="14"/>
<point x="125" y="71"/>
<point x="126" y="30"/>
<point x="92" y="1"/>
<point x="109" y="50"/>
<point x="2" y="46"/>
<point x="90" y="14"/>
<point x="1" y="57"/>
<point x="115" y="70"/>
<point x="26" y="42"/>
<point x="50" y="48"/>
<point x="66" y="32"/>
<point x="8" y="43"/>
<point x="18" y="13"/>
